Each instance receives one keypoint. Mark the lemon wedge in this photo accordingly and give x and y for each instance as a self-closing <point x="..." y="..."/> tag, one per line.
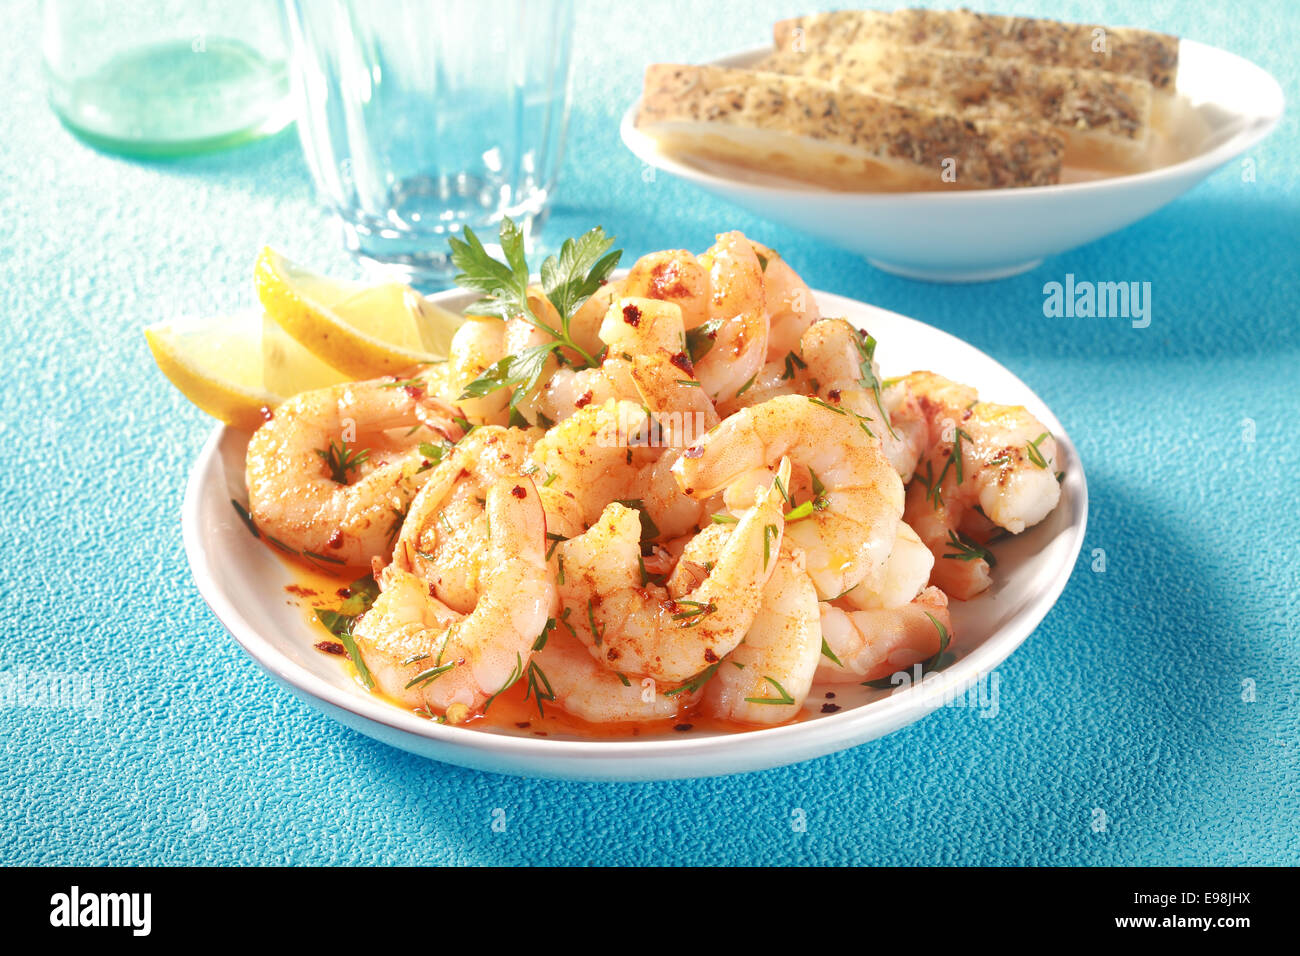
<point x="217" y="363"/>
<point x="362" y="331"/>
<point x="288" y="368"/>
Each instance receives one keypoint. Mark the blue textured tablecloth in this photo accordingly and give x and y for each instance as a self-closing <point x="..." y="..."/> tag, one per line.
<point x="1122" y="733"/>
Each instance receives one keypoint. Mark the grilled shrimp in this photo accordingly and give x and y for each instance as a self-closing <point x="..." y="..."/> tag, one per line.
<point x="767" y="677"/>
<point x="674" y="276"/>
<point x="790" y="305"/>
<point x="982" y="461"/>
<point x="786" y="377"/>
<point x="603" y="454"/>
<point x="936" y="518"/>
<point x="1008" y="458"/>
<point x="641" y="326"/>
<point x="739" y="347"/>
<point x="423" y="653"/>
<point x="873" y="644"/>
<point x="651" y="335"/>
<point x="907" y="571"/>
<point x="586" y="688"/>
<point x="635" y="627"/>
<point x="570" y="390"/>
<point x="475" y="347"/>
<point x="444" y="534"/>
<point x="857" y="495"/>
<point x="631" y="330"/>
<point x="326" y="473"/>
<point x="841" y="360"/>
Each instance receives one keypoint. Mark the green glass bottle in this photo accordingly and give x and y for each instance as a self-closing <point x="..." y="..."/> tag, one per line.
<point x="155" y="78"/>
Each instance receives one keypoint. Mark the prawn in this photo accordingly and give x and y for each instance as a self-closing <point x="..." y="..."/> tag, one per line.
<point x="983" y="461"/>
<point x="477" y="346"/>
<point x="872" y="644"/>
<point x="606" y="453"/>
<point x="674" y="276"/>
<point x="791" y="308"/>
<point x="424" y="654"/>
<point x="1003" y="459"/>
<point x="637" y="627"/>
<point x="842" y="362"/>
<point x="325" y="475"/>
<point x="739" y="348"/>
<point x="907" y="572"/>
<point x="631" y="329"/>
<point x="585" y="688"/>
<point x="848" y="529"/>
<point x="445" y="529"/>
<point x="766" y="679"/>
<point x="962" y="571"/>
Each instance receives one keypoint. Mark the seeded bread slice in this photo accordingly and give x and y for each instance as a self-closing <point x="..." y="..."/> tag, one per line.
<point x="1106" y="118"/>
<point x="837" y="137"/>
<point x="1137" y="53"/>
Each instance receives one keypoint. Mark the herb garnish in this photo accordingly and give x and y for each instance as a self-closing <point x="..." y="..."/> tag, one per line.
<point x="1035" y="455"/>
<point x="792" y="362"/>
<point x="956" y="450"/>
<point x="434" y="453"/>
<point x="649" y="530"/>
<point x="696" y="611"/>
<point x="515" y="673"/>
<point x="339" y="622"/>
<point x="555" y="540"/>
<point x="867" y="351"/>
<point x="701" y="338"/>
<point x="967" y="550"/>
<point x="583" y="265"/>
<point x="430" y="675"/>
<point x="340" y="460"/>
<point x="827" y="652"/>
<point x="536" y="681"/>
<point x="770" y="533"/>
<point x="785" y="698"/>
<point x="597" y="633"/>
<point x="696" y="682"/>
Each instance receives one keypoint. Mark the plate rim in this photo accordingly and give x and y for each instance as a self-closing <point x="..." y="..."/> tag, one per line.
<point x="753" y="749"/>
<point x="643" y="147"/>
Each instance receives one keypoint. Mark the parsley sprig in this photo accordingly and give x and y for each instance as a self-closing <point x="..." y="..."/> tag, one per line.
<point x="569" y="280"/>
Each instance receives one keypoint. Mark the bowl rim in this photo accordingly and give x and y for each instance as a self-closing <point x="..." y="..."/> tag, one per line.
<point x="1261" y="125"/>
<point x="806" y="739"/>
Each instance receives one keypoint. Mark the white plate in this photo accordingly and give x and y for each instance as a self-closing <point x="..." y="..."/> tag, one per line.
<point x="243" y="582"/>
<point x="1225" y="106"/>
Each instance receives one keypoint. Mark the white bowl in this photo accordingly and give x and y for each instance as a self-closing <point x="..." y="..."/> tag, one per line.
<point x="1225" y="106"/>
<point x="244" y="582"/>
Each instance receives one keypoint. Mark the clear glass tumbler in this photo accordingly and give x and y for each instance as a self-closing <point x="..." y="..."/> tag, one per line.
<point x="421" y="117"/>
<point x="166" y="77"/>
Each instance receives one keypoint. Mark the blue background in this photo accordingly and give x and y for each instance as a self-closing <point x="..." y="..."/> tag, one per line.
<point x="1128" y="698"/>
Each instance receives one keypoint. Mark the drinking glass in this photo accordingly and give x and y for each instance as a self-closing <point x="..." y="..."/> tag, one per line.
<point x="166" y="77"/>
<point x="419" y="118"/>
